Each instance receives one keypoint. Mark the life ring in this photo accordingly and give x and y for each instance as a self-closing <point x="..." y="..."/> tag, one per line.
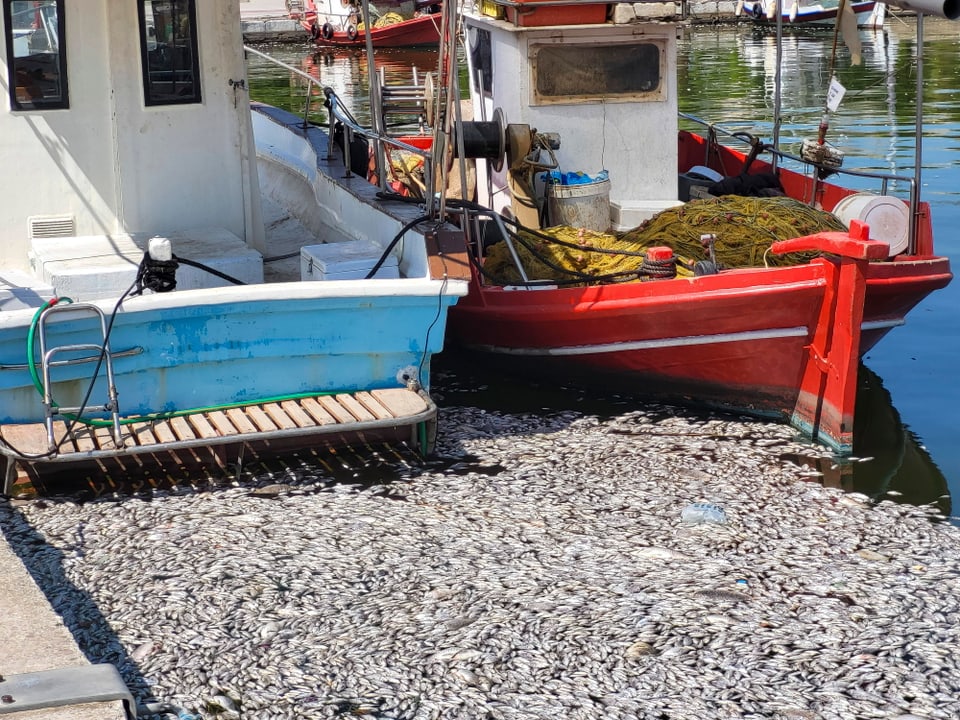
<point x="351" y="32"/>
<point x="326" y="32"/>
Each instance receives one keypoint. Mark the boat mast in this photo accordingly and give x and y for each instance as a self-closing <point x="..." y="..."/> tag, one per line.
<point x="776" y="89"/>
<point x="917" y="143"/>
<point x="376" y="116"/>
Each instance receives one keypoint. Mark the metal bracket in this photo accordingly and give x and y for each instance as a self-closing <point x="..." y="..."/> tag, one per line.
<point x="65" y="686"/>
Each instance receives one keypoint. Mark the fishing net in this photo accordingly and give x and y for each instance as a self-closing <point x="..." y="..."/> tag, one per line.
<point x="388" y="18"/>
<point x="743" y="230"/>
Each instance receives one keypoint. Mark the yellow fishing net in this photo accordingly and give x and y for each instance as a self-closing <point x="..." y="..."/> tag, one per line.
<point x="388" y="18"/>
<point x="744" y="228"/>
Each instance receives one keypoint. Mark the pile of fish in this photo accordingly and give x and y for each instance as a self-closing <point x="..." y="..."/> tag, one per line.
<point x="536" y="568"/>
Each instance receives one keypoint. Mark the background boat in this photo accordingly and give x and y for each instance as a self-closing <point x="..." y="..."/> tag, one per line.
<point x="330" y="23"/>
<point x="869" y="14"/>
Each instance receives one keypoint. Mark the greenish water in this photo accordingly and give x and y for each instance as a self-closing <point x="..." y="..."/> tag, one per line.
<point x="909" y="405"/>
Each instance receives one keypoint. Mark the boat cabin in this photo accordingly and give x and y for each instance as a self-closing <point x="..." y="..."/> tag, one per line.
<point x="121" y="122"/>
<point x="584" y="82"/>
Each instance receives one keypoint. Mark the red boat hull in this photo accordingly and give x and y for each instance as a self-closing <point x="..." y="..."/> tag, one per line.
<point x="768" y="341"/>
<point x="421" y="30"/>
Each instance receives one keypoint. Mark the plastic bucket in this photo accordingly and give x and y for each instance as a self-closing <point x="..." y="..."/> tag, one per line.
<point x="888" y="218"/>
<point x="585" y="205"/>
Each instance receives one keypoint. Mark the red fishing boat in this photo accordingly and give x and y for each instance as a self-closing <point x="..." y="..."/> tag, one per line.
<point x="772" y="340"/>
<point x="595" y="146"/>
<point x="340" y="24"/>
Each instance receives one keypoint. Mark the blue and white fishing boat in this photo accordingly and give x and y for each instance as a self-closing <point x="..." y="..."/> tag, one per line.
<point x="149" y="298"/>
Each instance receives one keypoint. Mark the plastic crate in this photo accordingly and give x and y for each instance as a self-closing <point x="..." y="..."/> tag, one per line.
<point x="578" y="14"/>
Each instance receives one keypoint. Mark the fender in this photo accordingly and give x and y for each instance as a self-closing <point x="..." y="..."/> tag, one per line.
<point x="351" y="32"/>
<point x="326" y="32"/>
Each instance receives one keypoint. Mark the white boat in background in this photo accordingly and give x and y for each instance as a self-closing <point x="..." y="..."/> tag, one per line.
<point x="869" y="14"/>
<point x="145" y="304"/>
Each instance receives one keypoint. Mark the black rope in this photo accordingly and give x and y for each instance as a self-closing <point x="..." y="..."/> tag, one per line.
<point x="659" y="268"/>
<point x="393" y="243"/>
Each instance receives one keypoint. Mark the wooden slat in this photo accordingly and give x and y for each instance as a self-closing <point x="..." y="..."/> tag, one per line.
<point x="104" y="436"/>
<point x="241" y="421"/>
<point x="60" y="436"/>
<point x="296" y="413"/>
<point x="29" y="439"/>
<point x="143" y="434"/>
<point x="317" y="412"/>
<point x="355" y="408"/>
<point x="401" y="402"/>
<point x="339" y="412"/>
<point x="222" y="423"/>
<point x="277" y="414"/>
<point x="260" y="419"/>
<point x="83" y="437"/>
<point x="182" y="429"/>
<point x="202" y="426"/>
<point x="163" y="432"/>
<point x="373" y="405"/>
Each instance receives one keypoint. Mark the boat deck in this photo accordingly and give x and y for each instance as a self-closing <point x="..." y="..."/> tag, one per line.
<point x="218" y="437"/>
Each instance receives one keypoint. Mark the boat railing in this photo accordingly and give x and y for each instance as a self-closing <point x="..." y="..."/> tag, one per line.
<point x="820" y="171"/>
<point x="337" y="112"/>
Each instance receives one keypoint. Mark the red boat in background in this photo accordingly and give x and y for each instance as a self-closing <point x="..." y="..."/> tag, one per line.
<point x="340" y="24"/>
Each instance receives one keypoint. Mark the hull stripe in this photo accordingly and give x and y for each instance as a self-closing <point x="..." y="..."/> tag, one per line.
<point x="659" y="343"/>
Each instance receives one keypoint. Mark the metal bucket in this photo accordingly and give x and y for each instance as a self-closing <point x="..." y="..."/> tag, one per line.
<point x="585" y="205"/>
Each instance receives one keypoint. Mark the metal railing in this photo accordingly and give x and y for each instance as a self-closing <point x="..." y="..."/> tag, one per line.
<point x="338" y="112"/>
<point x="883" y="178"/>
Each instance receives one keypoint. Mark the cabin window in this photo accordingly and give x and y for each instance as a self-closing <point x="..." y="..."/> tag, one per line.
<point x="168" y="46"/>
<point x="36" y="54"/>
<point x="588" y="72"/>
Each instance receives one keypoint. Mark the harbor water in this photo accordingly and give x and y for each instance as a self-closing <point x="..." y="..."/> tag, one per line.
<point x="565" y="553"/>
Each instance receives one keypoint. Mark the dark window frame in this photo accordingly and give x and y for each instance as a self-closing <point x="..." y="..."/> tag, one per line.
<point x="152" y="98"/>
<point x="16" y="104"/>
<point x="578" y="54"/>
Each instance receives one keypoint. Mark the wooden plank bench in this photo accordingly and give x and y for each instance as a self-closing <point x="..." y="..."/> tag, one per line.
<point x="393" y="413"/>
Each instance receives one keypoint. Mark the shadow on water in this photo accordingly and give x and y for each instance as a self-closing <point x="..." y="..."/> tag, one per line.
<point x="75" y="606"/>
<point x="888" y="461"/>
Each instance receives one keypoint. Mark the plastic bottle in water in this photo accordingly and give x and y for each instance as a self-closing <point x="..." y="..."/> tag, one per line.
<point x="699" y="513"/>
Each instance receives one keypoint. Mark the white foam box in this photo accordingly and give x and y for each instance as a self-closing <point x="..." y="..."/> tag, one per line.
<point x="348" y="260"/>
<point x="96" y="267"/>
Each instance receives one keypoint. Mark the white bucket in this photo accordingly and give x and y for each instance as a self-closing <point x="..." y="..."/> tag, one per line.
<point x="888" y="218"/>
<point x="585" y="205"/>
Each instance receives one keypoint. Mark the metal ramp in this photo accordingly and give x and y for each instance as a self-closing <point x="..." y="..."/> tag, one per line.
<point x="331" y="419"/>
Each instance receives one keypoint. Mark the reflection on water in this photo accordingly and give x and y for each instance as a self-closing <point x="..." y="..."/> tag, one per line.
<point x="888" y="462"/>
<point x="888" y="459"/>
<point x="726" y="75"/>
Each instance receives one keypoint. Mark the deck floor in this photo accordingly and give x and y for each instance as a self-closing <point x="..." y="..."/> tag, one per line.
<point x="210" y="437"/>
